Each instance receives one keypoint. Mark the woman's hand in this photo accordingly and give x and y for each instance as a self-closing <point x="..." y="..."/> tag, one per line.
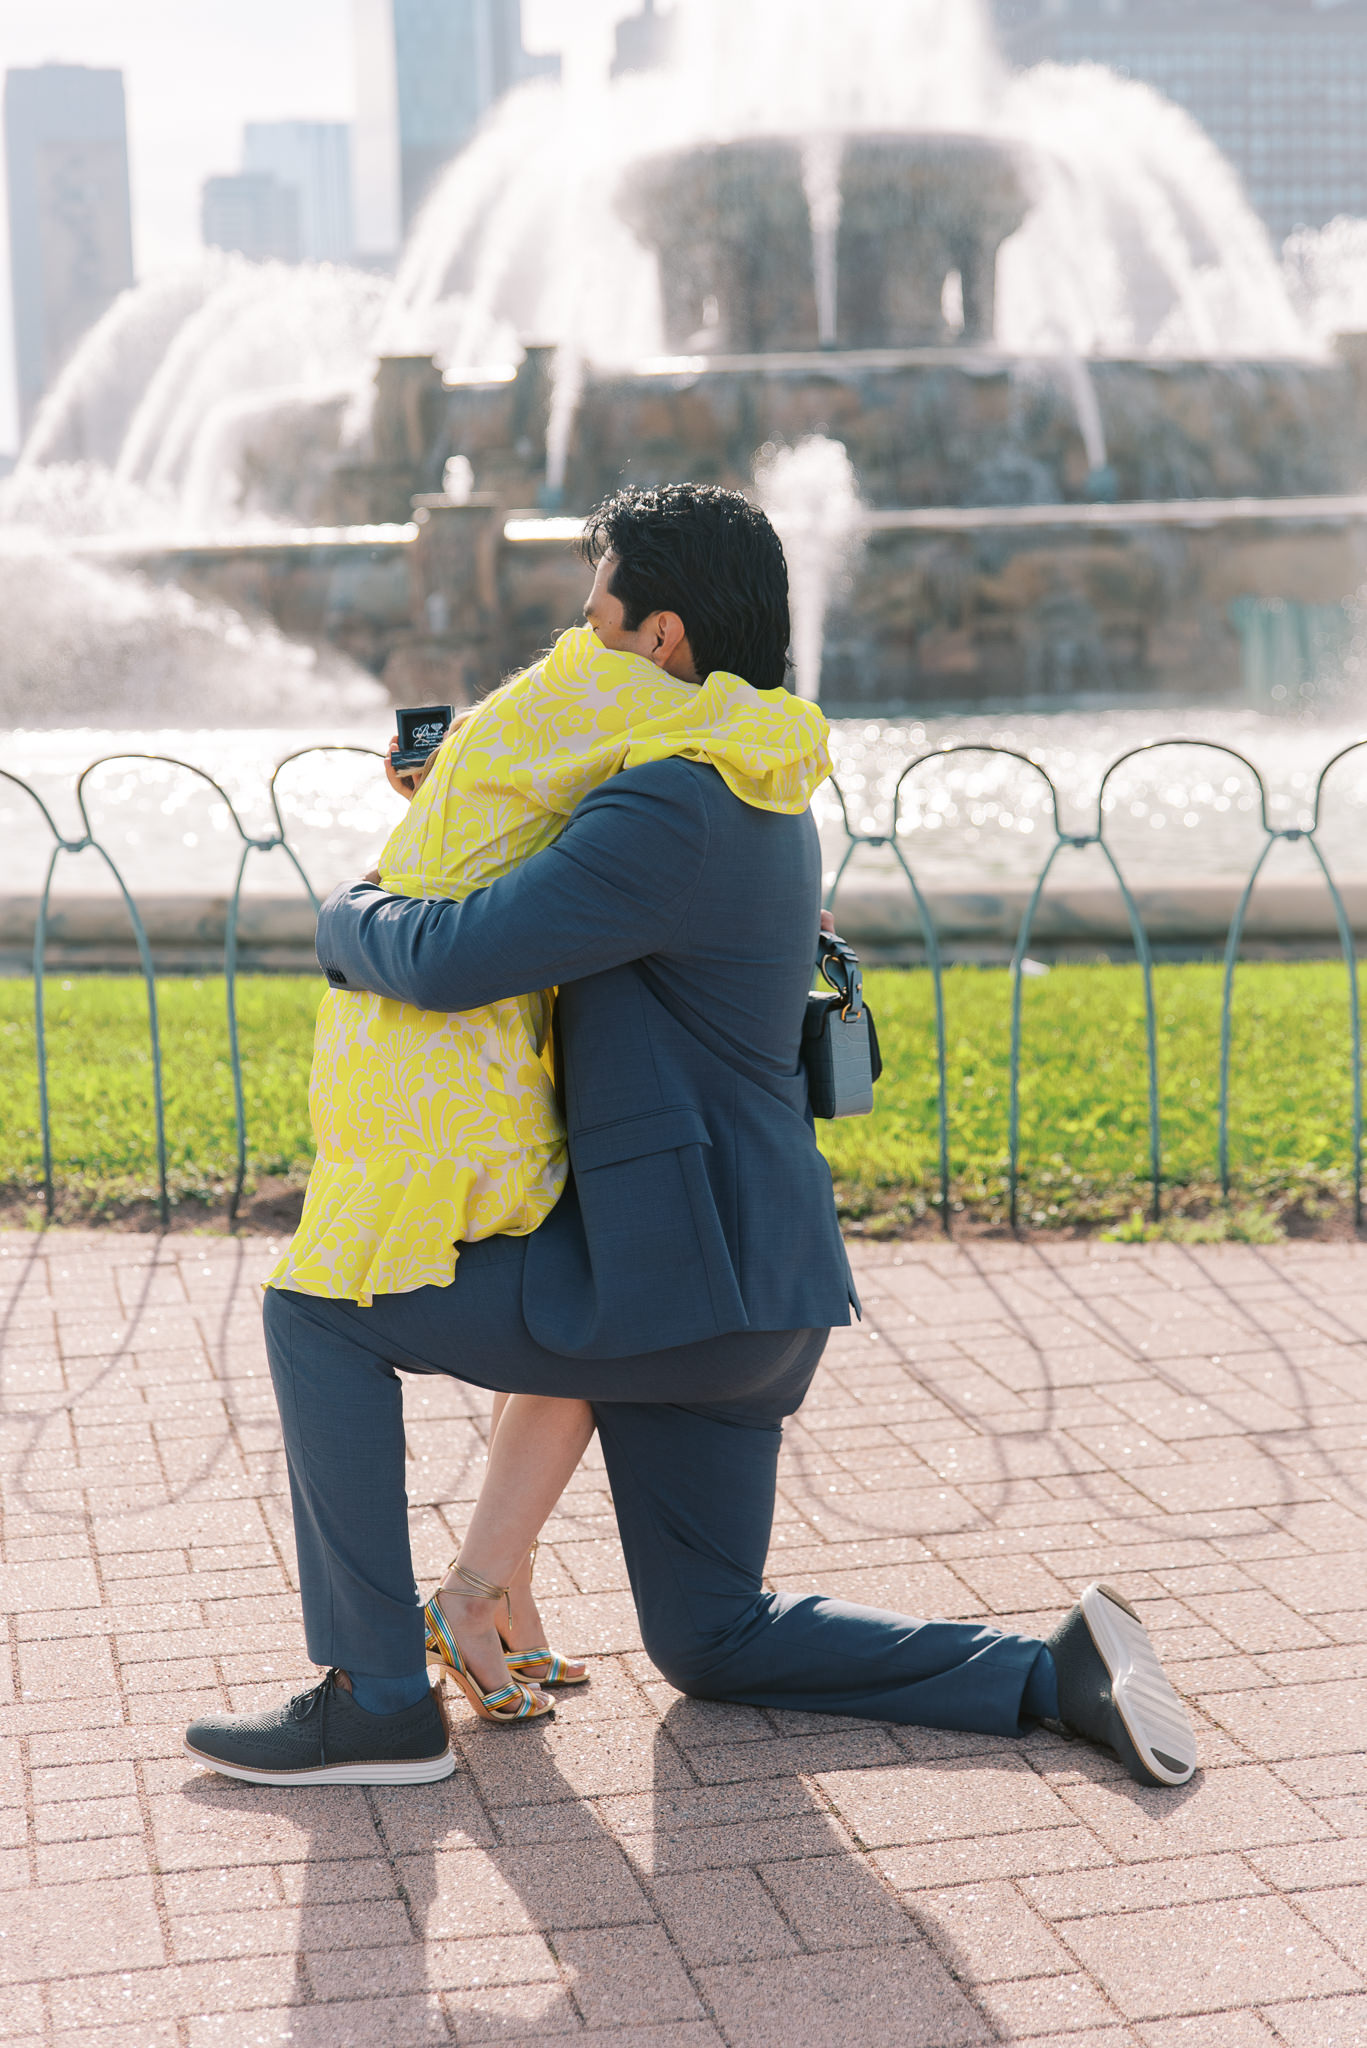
<point x="371" y="878"/>
<point x="405" y="781"/>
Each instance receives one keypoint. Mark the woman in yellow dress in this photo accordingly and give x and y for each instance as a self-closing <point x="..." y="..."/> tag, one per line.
<point x="432" y="1129"/>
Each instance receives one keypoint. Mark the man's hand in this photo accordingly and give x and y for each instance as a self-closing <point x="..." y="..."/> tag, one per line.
<point x="406" y="782"/>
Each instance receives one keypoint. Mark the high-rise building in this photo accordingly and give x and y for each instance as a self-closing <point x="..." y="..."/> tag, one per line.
<point x="71" y="241"/>
<point x="253" y="213"/>
<point x="427" y="72"/>
<point x="1280" y="85"/>
<point x="314" y="159"/>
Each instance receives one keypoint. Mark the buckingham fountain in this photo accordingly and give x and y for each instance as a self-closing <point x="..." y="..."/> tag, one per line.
<point x="1061" y="453"/>
<point x="1019" y="527"/>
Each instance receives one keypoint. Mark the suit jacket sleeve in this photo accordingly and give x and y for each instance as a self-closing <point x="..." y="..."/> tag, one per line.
<point x="613" y="888"/>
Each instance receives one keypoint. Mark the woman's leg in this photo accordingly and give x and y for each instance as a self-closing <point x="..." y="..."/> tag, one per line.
<point x="523" y="1629"/>
<point x="536" y="1443"/>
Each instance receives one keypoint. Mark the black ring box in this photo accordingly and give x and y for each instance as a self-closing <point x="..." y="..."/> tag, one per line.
<point x="422" y="728"/>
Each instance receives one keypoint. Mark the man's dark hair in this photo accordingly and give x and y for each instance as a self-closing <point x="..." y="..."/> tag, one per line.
<point x="709" y="555"/>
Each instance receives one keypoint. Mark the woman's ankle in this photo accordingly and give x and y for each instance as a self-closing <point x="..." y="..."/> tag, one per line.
<point x="458" y="1602"/>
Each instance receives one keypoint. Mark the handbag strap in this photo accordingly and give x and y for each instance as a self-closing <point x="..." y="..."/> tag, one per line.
<point x="839" y="964"/>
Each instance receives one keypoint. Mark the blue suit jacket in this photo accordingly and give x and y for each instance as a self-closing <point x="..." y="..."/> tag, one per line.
<point x="680" y="926"/>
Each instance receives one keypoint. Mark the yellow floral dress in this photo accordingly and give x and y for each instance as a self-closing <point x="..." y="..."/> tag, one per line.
<point x="432" y="1129"/>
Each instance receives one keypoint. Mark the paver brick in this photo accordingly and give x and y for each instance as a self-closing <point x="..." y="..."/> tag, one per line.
<point x="1225" y="1953"/>
<point x="935" y="1801"/>
<point x="811" y="2001"/>
<point x="1134" y="1887"/>
<point x="834" y="1903"/>
<point x="416" y="2022"/>
<point x="1322" y="2022"/>
<point x="1341" y="1916"/>
<point x="987" y="1933"/>
<point x="1239" y="1808"/>
<point x="1049" y="2006"/>
<point x="628" y="1978"/>
<point x="57" y="1863"/>
<point x="516" y="2012"/>
<point x="1208" y="2030"/>
<point x="722" y="1916"/>
<point x="1303" y="1720"/>
<point x="978" y="1859"/>
<point x="1185" y="1422"/>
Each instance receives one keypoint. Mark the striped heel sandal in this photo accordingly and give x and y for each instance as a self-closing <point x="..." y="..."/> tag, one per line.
<point x="542" y="1666"/>
<point x="506" y="1703"/>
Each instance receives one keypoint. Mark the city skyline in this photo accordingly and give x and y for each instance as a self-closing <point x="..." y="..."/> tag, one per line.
<point x="193" y="80"/>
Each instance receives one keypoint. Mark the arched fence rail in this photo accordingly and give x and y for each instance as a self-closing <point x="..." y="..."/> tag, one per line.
<point x="894" y="840"/>
<point x="86" y="842"/>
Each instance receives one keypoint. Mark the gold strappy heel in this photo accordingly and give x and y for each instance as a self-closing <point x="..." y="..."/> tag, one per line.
<point x="555" y="1668"/>
<point x="506" y="1703"/>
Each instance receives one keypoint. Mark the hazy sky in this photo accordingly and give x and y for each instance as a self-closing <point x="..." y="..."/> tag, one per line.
<point x="194" y="71"/>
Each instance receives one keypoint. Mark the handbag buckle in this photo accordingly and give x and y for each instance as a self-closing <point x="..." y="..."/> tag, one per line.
<point x="840" y="969"/>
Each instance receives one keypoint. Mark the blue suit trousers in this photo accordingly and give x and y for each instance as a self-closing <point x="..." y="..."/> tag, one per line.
<point x="690" y="1438"/>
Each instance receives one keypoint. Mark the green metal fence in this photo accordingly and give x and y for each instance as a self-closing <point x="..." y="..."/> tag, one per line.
<point x="897" y="840"/>
<point x="893" y="840"/>
<point x="86" y="842"/>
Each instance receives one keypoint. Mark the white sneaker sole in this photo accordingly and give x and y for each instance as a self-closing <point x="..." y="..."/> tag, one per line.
<point x="1154" y="1717"/>
<point x="425" y="1771"/>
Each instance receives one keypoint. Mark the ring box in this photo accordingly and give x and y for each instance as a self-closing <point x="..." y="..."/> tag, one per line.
<point x="422" y="728"/>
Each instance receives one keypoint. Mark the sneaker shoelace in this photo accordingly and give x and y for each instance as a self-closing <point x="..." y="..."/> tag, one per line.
<point x="315" y="1700"/>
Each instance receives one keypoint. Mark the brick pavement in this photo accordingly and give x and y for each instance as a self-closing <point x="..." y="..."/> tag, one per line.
<point x="1010" y="1422"/>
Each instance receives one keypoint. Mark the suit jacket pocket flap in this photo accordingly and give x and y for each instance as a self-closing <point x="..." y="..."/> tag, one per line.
<point x="664" y="1130"/>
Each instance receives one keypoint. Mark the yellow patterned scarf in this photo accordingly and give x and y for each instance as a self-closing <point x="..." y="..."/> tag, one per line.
<point x="432" y="1129"/>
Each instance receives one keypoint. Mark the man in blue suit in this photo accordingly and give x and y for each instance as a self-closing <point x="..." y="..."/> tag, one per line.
<point x="687" y="1280"/>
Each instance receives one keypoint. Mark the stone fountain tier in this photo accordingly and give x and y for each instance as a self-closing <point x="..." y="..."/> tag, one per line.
<point x="952" y="605"/>
<point x="968" y="427"/>
<point x="731" y="225"/>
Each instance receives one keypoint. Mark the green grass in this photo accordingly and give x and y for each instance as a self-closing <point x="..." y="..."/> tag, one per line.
<point x="1084" y="1131"/>
<point x="100" y="1086"/>
<point x="1084" y="1092"/>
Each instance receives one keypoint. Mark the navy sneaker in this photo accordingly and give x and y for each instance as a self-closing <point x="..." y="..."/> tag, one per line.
<point x="1112" y="1691"/>
<point x="321" y="1737"/>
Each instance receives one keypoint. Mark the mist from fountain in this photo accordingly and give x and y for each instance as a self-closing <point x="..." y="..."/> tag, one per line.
<point x="821" y="160"/>
<point x="1326" y="270"/>
<point x="153" y="385"/>
<point x="812" y="499"/>
<point x="81" y="638"/>
<point x="146" y="433"/>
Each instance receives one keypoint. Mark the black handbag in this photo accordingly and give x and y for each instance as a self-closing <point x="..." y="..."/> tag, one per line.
<point x="839" y="1042"/>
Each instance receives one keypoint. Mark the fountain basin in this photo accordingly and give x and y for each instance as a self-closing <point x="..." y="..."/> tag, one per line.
<point x="1290" y="918"/>
<point x="732" y="225"/>
<point x="948" y="604"/>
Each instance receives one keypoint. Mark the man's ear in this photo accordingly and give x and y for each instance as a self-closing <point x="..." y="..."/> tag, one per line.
<point x="668" y="645"/>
